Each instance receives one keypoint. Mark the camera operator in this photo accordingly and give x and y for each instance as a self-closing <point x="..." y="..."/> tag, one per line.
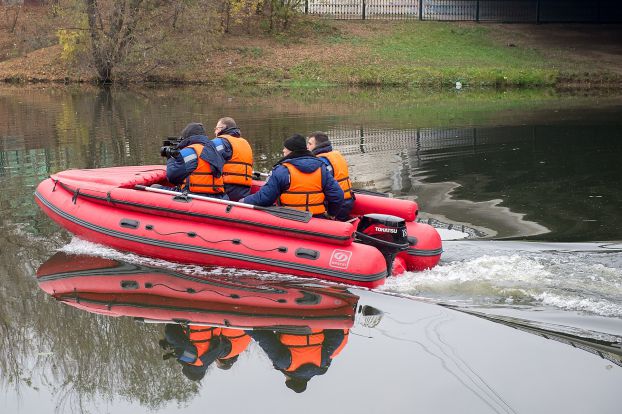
<point x="194" y="165"/>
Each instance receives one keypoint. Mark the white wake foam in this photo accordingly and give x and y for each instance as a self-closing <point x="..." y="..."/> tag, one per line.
<point x="562" y="280"/>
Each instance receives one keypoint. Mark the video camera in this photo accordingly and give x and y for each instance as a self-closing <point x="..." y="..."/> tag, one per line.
<point x="169" y="147"/>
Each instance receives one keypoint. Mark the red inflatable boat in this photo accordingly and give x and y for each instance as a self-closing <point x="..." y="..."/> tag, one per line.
<point x="114" y="288"/>
<point x="110" y="206"/>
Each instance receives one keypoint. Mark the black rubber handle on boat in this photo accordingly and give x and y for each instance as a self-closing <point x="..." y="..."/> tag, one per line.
<point x="258" y="175"/>
<point x="281" y="212"/>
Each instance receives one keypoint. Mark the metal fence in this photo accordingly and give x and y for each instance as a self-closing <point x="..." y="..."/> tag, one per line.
<point x="526" y="11"/>
<point x="425" y="143"/>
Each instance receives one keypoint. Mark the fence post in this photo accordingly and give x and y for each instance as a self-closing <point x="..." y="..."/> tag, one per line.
<point x="306" y="6"/>
<point x="363" y="9"/>
<point x="538" y="12"/>
<point x="477" y="11"/>
<point x="420" y="9"/>
<point x="362" y="141"/>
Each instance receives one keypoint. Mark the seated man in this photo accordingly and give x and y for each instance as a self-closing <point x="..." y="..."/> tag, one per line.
<point x="238" y="154"/>
<point x="301" y="357"/>
<point x="300" y="181"/>
<point x="319" y="144"/>
<point x="194" y="347"/>
<point x="197" y="166"/>
<point x="237" y="341"/>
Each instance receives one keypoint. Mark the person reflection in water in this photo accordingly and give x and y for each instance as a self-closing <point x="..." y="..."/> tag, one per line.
<point x="300" y="357"/>
<point x="197" y="347"/>
<point x="238" y="341"/>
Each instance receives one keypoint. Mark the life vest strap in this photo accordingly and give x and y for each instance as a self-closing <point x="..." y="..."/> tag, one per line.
<point x="240" y="163"/>
<point x="242" y="335"/>
<point x="245" y="174"/>
<point x="301" y="205"/>
<point x="303" y="192"/>
<point x="208" y="185"/>
<point x="304" y="345"/>
<point x="200" y="341"/>
<point x="237" y="174"/>
<point x="211" y="328"/>
<point x="208" y="329"/>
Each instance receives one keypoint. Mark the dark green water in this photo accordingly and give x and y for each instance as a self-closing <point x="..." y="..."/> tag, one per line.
<point x="534" y="165"/>
<point x="513" y="165"/>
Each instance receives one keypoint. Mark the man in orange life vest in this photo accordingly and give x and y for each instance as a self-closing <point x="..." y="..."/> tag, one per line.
<point x="238" y="340"/>
<point x="301" y="181"/>
<point x="195" y="347"/>
<point x="319" y="144"/>
<point x="197" y="166"/>
<point x="300" y="357"/>
<point x="238" y="170"/>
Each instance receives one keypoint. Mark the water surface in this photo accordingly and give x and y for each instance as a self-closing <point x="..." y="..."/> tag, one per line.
<point x="531" y="298"/>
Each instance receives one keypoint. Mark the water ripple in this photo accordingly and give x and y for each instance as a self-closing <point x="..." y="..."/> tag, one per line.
<point x="563" y="280"/>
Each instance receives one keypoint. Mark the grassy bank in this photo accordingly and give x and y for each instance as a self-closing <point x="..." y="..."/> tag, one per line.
<point x="431" y="53"/>
<point x="368" y="53"/>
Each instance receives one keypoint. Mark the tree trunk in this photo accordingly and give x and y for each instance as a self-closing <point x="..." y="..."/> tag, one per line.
<point x="110" y="46"/>
<point x="17" y="9"/>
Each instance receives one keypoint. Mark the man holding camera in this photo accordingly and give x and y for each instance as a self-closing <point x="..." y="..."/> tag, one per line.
<point x="194" y="164"/>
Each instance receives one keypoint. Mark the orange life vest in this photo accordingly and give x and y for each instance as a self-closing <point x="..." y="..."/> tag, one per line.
<point x="202" y="180"/>
<point x="305" y="349"/>
<point x="304" y="192"/>
<point x="201" y="337"/>
<point x="239" y="169"/>
<point x="239" y="341"/>
<point x="340" y="171"/>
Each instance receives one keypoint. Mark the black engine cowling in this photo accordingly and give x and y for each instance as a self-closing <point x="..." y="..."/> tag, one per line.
<point x="386" y="233"/>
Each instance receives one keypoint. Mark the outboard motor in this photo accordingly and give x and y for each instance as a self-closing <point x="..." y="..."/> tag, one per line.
<point x="386" y="233"/>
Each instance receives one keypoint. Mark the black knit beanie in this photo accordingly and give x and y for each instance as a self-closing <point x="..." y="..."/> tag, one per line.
<point x="296" y="143"/>
<point x="194" y="373"/>
<point x="296" y="384"/>
<point x="192" y="129"/>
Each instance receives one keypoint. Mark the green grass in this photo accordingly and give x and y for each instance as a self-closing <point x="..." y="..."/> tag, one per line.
<point x="417" y="54"/>
<point x="250" y="52"/>
<point x="252" y="75"/>
<point x="451" y="45"/>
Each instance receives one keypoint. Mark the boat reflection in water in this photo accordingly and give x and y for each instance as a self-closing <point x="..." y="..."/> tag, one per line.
<point x="300" y="325"/>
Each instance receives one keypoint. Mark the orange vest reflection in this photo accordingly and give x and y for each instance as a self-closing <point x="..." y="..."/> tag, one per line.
<point x="197" y="347"/>
<point x="238" y="340"/>
<point x="301" y="356"/>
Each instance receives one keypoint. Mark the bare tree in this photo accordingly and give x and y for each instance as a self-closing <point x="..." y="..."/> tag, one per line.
<point x="12" y="20"/>
<point x="112" y="25"/>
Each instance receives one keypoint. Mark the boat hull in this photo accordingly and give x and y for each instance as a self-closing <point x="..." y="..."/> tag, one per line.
<point x="103" y="206"/>
<point x="115" y="288"/>
<point x="206" y="244"/>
